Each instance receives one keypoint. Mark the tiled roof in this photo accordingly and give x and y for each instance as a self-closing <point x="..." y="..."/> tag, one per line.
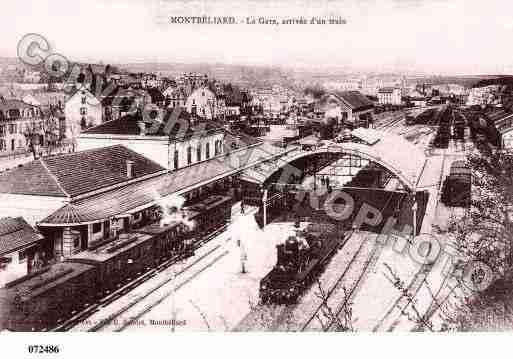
<point x="127" y="125"/>
<point x="76" y="173"/>
<point x="13" y="104"/>
<point x="127" y="198"/>
<point x="31" y="179"/>
<point x="355" y="99"/>
<point x="16" y="233"/>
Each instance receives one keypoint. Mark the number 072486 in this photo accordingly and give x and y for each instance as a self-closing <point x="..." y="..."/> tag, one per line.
<point x="43" y="349"/>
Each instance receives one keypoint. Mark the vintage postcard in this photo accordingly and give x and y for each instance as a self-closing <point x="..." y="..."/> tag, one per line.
<point x="175" y="166"/>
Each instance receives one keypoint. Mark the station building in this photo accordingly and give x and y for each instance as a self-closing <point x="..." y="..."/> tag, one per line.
<point x="81" y="199"/>
<point x="350" y="109"/>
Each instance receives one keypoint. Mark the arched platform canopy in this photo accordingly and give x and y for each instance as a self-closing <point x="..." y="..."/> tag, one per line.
<point x="403" y="159"/>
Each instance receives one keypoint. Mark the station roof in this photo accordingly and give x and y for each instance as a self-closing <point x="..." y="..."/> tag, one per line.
<point x="144" y="194"/>
<point x="16" y="233"/>
<point x="393" y="152"/>
<point x="77" y="173"/>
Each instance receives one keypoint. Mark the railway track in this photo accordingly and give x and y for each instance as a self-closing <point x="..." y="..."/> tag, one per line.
<point x="131" y="284"/>
<point x="371" y="260"/>
<point x="401" y="303"/>
<point x="149" y="307"/>
<point x="390" y="123"/>
<point x="334" y="287"/>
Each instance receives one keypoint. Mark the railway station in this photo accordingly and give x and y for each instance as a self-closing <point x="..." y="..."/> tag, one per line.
<point x="137" y="241"/>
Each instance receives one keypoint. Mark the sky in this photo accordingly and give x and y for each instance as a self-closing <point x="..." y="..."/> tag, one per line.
<point x="434" y="36"/>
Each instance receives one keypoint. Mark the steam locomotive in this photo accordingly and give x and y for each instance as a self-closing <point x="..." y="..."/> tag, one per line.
<point x="299" y="261"/>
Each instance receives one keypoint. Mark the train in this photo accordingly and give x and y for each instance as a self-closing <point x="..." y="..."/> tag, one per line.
<point x="300" y="259"/>
<point x="456" y="189"/>
<point x="42" y="300"/>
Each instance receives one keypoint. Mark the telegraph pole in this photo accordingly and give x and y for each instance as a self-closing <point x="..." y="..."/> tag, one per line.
<point x="414" y="208"/>
<point x="264" y="203"/>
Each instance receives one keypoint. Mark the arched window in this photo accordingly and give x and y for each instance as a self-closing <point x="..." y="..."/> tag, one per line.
<point x="198" y="153"/>
<point x="207" y="150"/>
<point x="189" y="155"/>
<point x="175" y="159"/>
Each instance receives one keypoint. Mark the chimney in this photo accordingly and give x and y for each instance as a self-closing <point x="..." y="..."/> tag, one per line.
<point x="129" y="169"/>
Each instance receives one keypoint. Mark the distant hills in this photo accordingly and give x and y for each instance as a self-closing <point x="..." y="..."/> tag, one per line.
<point x="262" y="75"/>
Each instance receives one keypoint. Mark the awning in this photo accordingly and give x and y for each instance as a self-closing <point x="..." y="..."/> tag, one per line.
<point x="141" y="195"/>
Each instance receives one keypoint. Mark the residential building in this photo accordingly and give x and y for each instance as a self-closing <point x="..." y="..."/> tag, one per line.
<point x="17" y="119"/>
<point x="202" y="102"/>
<point x="151" y="80"/>
<point x="175" y="97"/>
<point x="32" y="77"/>
<point x="82" y="110"/>
<point x="389" y="96"/>
<point x="19" y="249"/>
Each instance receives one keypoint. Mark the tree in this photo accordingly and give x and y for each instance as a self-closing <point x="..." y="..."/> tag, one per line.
<point x="485" y="231"/>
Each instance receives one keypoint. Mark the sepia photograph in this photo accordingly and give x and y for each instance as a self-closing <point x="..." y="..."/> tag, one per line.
<point x="190" y="166"/>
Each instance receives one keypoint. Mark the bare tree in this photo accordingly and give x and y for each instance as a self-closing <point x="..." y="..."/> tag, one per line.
<point x="340" y="319"/>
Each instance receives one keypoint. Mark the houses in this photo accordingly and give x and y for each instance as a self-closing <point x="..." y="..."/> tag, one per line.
<point x="19" y="249"/>
<point x="202" y="102"/>
<point x="482" y="95"/>
<point x="389" y="96"/>
<point x="17" y="119"/>
<point x="349" y="108"/>
<point x="82" y="110"/>
<point x="174" y="97"/>
<point x="32" y="77"/>
<point x="151" y="80"/>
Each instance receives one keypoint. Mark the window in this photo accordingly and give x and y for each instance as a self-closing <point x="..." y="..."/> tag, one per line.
<point x="217" y="146"/>
<point x="12" y="128"/>
<point x="22" y="256"/>
<point x="189" y="155"/>
<point x="203" y="93"/>
<point x="83" y="111"/>
<point x="76" y="242"/>
<point x="207" y="151"/>
<point x="198" y="153"/>
<point x="97" y="228"/>
<point x="84" y="99"/>
<point x="175" y="160"/>
<point x="2" y="130"/>
<point x="3" y="147"/>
